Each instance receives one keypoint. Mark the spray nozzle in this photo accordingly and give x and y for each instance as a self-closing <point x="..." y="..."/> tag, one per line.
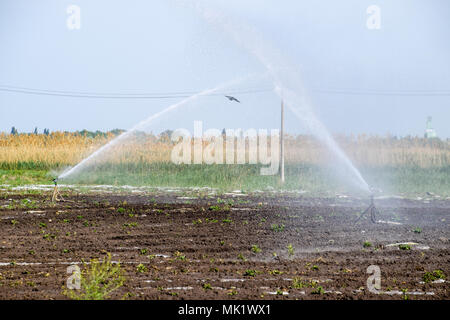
<point x="55" y="181"/>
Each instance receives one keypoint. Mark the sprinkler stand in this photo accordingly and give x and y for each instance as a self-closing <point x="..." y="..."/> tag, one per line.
<point x="56" y="195"/>
<point x="373" y="211"/>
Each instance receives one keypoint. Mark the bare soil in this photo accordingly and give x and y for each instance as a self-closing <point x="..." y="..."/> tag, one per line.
<point x="201" y="248"/>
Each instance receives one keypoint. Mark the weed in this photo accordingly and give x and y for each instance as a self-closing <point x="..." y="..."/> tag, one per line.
<point x="255" y="249"/>
<point x="141" y="268"/>
<point x="250" y="273"/>
<point x="207" y="286"/>
<point x="130" y="225"/>
<point x="241" y="257"/>
<point x="277" y="228"/>
<point x="98" y="280"/>
<point x="299" y="283"/>
<point x="290" y="250"/>
<point x="433" y="276"/>
<point x="275" y="272"/>
<point x="232" y="292"/>
<point x="367" y="244"/>
<point x="404" y="247"/>
<point x="279" y="292"/>
<point x="319" y="290"/>
<point x="179" y="256"/>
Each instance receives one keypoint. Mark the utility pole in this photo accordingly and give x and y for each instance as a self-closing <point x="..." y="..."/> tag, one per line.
<point x="282" y="143"/>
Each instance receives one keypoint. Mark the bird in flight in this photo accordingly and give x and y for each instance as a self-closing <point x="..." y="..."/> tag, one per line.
<point x="232" y="99"/>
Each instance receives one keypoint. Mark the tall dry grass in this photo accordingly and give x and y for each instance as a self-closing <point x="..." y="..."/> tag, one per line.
<point x="64" y="149"/>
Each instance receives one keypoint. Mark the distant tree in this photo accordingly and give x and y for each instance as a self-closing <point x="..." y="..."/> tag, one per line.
<point x="46" y="132"/>
<point x="166" y="135"/>
<point x="35" y="131"/>
<point x="116" y="132"/>
<point x="14" y="131"/>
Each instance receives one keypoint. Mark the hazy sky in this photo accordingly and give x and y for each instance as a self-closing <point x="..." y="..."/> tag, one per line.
<point x="162" y="46"/>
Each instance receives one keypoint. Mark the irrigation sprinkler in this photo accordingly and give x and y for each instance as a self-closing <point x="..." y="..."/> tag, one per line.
<point x="56" y="195"/>
<point x="372" y="209"/>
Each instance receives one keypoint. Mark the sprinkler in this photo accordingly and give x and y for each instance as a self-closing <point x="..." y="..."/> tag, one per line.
<point x="372" y="209"/>
<point x="56" y="195"/>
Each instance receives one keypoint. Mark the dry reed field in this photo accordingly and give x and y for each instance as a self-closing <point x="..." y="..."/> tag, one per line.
<point x="65" y="149"/>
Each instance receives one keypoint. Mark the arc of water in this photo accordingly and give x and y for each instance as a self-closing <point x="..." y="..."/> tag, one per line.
<point x="284" y="78"/>
<point x="143" y="124"/>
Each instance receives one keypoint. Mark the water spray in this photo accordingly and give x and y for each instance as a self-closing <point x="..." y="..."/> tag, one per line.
<point x="371" y="209"/>
<point x="56" y="197"/>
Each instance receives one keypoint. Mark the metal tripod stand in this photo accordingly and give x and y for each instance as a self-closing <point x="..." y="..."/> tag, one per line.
<point x="56" y="195"/>
<point x="373" y="211"/>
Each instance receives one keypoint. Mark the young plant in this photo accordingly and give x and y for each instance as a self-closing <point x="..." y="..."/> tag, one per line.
<point x="207" y="286"/>
<point x="319" y="290"/>
<point x="255" y="249"/>
<point x="250" y="273"/>
<point x="277" y="228"/>
<point x="141" y="268"/>
<point x="290" y="250"/>
<point x="433" y="276"/>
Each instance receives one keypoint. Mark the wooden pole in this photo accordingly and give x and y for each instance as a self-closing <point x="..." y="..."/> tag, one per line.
<point x="282" y="143"/>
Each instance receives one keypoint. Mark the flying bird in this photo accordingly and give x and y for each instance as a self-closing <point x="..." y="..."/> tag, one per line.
<point x="232" y="99"/>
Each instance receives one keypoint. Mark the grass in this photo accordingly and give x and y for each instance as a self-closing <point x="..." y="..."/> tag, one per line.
<point x="409" y="165"/>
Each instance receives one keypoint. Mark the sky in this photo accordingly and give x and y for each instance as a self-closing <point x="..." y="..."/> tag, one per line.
<point x="358" y="80"/>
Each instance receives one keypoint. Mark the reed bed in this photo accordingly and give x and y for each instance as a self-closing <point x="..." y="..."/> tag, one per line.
<point x="30" y="151"/>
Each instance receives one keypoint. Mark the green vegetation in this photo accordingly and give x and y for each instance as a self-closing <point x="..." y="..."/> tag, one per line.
<point x="408" y="180"/>
<point x="367" y="244"/>
<point x="141" y="268"/>
<point x="290" y="250"/>
<point x="207" y="286"/>
<point x="255" y="249"/>
<point x="241" y="257"/>
<point x="277" y="227"/>
<point x="299" y="283"/>
<point x="250" y="273"/>
<point x="433" y="276"/>
<point x="318" y="290"/>
<point x="98" y="280"/>
<point x="404" y="247"/>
